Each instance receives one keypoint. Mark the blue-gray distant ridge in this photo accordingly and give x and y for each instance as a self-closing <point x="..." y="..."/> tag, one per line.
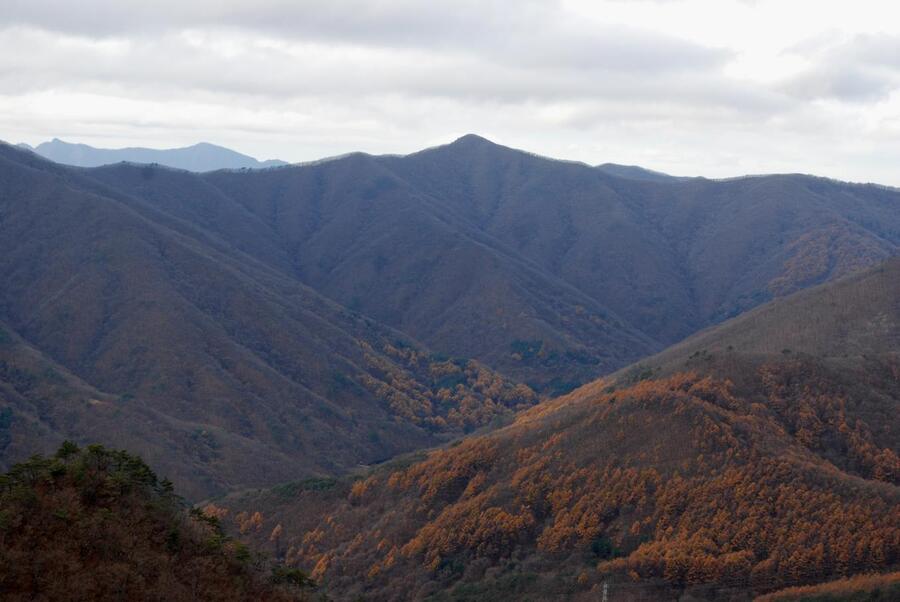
<point x="199" y="157"/>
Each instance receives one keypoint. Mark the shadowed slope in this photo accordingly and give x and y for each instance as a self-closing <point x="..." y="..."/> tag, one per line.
<point x="364" y="237"/>
<point x="279" y="310"/>
<point x="668" y="258"/>
<point x="550" y="271"/>
<point x="259" y="376"/>
<point x="849" y="318"/>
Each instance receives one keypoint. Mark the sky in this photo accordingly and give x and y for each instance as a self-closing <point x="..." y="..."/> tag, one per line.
<point x="691" y="87"/>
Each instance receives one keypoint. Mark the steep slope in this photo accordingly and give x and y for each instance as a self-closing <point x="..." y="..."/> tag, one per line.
<point x="197" y="157"/>
<point x="352" y="230"/>
<point x="244" y="374"/>
<point x="567" y="218"/>
<point x="750" y="473"/>
<point x="668" y="258"/>
<point x="749" y="240"/>
<point x="42" y="404"/>
<point x="853" y="317"/>
<point x="98" y="525"/>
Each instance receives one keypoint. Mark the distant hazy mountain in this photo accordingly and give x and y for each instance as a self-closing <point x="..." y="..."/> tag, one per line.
<point x="199" y="157"/>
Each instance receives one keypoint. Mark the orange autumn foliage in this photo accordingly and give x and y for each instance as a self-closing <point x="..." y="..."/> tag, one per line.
<point x="686" y="481"/>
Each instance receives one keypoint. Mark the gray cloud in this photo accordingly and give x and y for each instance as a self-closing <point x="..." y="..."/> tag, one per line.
<point x="398" y="22"/>
<point x="864" y="68"/>
<point x="526" y="33"/>
<point x="559" y="60"/>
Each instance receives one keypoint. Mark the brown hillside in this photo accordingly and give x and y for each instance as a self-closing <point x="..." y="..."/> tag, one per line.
<point x="669" y="257"/>
<point x="363" y="236"/>
<point x="852" y="317"/>
<point x="741" y="477"/>
<point x="98" y="525"/>
<point x="861" y="588"/>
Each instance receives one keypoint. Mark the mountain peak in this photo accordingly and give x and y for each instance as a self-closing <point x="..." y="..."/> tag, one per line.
<point x="472" y="140"/>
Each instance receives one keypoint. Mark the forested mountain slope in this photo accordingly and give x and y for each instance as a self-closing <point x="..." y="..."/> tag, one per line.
<point x="668" y="257"/>
<point x="744" y="471"/>
<point x="97" y="524"/>
<point x="549" y="271"/>
<point x="310" y="318"/>
<point x="241" y="374"/>
<point x="361" y="235"/>
<point x="851" y="318"/>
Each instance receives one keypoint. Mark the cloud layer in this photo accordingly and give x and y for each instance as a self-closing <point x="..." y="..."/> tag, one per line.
<point x="638" y="82"/>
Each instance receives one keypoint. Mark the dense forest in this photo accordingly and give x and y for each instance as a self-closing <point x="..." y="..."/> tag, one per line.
<point x="682" y="482"/>
<point x="97" y="524"/>
<point x="750" y="473"/>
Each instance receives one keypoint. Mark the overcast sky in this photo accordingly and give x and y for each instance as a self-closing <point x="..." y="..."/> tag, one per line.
<point x="691" y="87"/>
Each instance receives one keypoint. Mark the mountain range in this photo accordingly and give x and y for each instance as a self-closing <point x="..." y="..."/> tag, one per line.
<point x="467" y="373"/>
<point x="197" y="157"/>
<point x="549" y="271"/>
<point x="237" y="328"/>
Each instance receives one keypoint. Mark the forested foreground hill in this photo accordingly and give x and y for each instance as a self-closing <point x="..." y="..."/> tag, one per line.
<point x="749" y="472"/>
<point x="97" y="524"/>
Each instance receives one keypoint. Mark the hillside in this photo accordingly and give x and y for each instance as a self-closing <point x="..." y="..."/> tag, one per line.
<point x="221" y="371"/>
<point x="850" y="318"/>
<point x="362" y="236"/>
<point x="42" y="403"/>
<point x="747" y="474"/>
<point x="634" y="172"/>
<point x="668" y="258"/>
<point x="98" y="525"/>
<point x="197" y="157"/>
<point x="251" y="326"/>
